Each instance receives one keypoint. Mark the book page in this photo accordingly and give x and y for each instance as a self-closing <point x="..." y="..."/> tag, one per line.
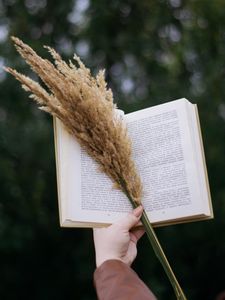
<point x="163" y="153"/>
<point x="194" y="125"/>
<point x="95" y="200"/>
<point x="85" y="194"/>
<point x="164" y="156"/>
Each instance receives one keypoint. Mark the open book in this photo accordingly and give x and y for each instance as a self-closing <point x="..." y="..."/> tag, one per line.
<point x="168" y="152"/>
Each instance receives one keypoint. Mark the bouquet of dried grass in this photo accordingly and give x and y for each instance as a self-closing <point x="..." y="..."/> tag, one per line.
<point x="85" y="107"/>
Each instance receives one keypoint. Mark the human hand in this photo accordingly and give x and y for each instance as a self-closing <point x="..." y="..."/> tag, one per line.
<point x="118" y="241"/>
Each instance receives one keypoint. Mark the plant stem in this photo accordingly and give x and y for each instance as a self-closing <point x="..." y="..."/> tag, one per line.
<point x="157" y="248"/>
<point x="161" y="256"/>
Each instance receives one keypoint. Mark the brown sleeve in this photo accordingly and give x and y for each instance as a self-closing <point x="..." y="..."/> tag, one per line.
<point x="115" y="280"/>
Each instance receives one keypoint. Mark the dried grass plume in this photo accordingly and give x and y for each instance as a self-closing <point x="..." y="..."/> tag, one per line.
<point x="85" y="106"/>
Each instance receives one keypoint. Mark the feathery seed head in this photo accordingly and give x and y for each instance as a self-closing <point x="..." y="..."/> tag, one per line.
<point x="85" y="106"/>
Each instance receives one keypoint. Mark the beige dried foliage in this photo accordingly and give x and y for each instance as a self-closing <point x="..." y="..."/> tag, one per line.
<point x="85" y="106"/>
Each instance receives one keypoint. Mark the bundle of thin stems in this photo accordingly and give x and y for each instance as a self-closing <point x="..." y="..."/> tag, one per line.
<point x="85" y="106"/>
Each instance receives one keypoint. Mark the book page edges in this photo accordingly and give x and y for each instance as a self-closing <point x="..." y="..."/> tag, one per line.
<point x="69" y="223"/>
<point x="57" y="170"/>
<point x="204" y="163"/>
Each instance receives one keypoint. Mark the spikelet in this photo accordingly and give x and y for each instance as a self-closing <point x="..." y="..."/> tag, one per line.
<point x="85" y="106"/>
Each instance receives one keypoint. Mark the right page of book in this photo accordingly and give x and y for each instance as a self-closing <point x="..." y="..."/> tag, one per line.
<point x="167" y="154"/>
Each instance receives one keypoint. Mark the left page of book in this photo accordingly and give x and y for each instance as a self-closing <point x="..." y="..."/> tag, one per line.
<point x="85" y="194"/>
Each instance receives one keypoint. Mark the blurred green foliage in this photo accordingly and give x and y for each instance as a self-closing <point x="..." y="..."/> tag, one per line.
<point x="153" y="52"/>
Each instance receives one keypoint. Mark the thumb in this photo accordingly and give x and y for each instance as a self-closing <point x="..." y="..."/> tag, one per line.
<point x="131" y="219"/>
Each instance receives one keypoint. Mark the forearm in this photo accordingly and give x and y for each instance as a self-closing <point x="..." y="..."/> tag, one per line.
<point x="116" y="280"/>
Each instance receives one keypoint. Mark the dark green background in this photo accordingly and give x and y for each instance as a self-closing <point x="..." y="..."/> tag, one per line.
<point x="153" y="52"/>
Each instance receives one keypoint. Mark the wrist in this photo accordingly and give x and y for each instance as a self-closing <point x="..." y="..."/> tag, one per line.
<point x="100" y="261"/>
